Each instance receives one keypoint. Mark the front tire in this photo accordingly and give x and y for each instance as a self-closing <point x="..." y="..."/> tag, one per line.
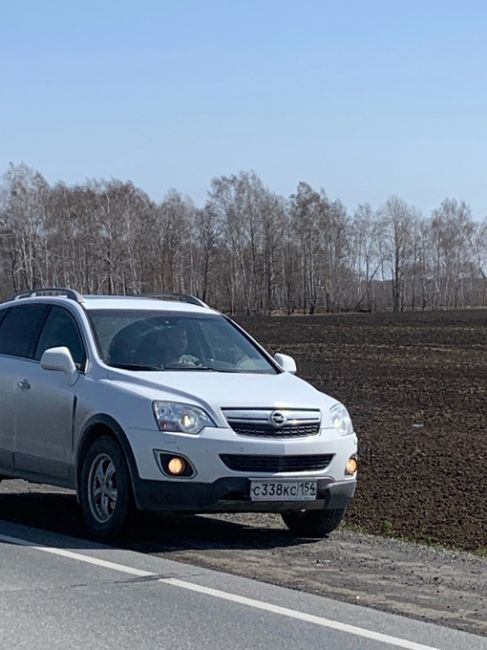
<point x="314" y="523"/>
<point x="105" y="489"/>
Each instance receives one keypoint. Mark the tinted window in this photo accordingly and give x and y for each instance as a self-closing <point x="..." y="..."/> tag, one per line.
<point x="59" y="330"/>
<point x="20" y="328"/>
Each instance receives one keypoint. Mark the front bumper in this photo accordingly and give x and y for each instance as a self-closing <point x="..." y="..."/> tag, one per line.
<point x="204" y="451"/>
<point x="231" y="494"/>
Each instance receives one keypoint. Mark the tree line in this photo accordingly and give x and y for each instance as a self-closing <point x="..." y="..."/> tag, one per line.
<point x="247" y="250"/>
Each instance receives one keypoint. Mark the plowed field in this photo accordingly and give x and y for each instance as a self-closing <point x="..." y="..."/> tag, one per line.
<point x="416" y="386"/>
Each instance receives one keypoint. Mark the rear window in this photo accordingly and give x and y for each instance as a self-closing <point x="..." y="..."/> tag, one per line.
<point x="19" y="330"/>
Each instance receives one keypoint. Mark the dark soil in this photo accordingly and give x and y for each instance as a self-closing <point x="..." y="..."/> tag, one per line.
<point x="416" y="387"/>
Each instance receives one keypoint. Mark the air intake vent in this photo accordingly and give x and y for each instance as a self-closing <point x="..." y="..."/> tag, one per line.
<point x="276" y="464"/>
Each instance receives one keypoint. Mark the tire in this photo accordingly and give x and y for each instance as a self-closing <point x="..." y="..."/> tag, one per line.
<point x="315" y="523"/>
<point x="105" y="491"/>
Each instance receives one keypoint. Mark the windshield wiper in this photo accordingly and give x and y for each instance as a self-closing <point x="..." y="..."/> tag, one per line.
<point x="206" y="368"/>
<point x="135" y="366"/>
<point x="178" y="368"/>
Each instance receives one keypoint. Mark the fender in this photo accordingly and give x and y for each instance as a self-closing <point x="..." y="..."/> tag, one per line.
<point x="88" y="434"/>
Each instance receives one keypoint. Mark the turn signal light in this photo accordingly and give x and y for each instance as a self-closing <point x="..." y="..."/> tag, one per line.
<point x="351" y="466"/>
<point x="176" y="466"/>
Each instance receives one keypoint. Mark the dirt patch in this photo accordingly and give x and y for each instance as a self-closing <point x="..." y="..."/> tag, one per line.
<point x="423" y="582"/>
<point x="416" y="386"/>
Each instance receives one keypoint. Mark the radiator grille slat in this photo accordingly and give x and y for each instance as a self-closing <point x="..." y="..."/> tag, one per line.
<point x="261" y="429"/>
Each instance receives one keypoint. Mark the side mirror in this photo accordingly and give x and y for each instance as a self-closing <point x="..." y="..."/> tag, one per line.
<point x="286" y="362"/>
<point x="58" y="359"/>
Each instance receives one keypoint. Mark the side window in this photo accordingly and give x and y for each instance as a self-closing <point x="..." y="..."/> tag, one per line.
<point x="19" y="330"/>
<point x="59" y="330"/>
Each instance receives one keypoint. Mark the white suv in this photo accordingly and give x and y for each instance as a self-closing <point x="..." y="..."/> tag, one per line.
<point x="161" y="403"/>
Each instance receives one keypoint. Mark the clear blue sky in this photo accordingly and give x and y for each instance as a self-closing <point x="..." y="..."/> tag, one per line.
<point x="364" y="98"/>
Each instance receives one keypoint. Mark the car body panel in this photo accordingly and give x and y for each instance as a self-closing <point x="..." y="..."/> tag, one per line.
<point x="44" y="420"/>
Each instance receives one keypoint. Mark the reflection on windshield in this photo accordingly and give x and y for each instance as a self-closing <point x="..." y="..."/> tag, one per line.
<point x="151" y="340"/>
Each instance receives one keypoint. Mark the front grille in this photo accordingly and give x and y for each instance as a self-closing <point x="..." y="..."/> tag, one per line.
<point x="275" y="464"/>
<point x="269" y="431"/>
<point x="274" y="422"/>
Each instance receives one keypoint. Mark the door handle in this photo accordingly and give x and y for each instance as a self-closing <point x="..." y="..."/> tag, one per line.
<point x="23" y="384"/>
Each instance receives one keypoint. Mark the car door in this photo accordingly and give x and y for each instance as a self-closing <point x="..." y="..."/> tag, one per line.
<point x="19" y="330"/>
<point x="46" y="402"/>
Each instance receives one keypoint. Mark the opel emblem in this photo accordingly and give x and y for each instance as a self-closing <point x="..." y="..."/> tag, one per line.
<point x="277" y="418"/>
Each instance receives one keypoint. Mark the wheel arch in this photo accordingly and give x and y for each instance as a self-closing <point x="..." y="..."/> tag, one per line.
<point x="98" y="425"/>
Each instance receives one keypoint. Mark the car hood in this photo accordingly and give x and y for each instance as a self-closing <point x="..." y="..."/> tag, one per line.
<point x="219" y="390"/>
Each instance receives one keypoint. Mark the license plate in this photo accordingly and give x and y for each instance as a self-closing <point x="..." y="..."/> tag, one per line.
<point x="270" y="490"/>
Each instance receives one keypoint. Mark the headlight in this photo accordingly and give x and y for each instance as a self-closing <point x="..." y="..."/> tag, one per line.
<point x="341" y="420"/>
<point x="184" y="418"/>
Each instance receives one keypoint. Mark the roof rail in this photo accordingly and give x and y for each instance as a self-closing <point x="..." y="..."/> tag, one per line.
<point x="48" y="291"/>
<point x="181" y="297"/>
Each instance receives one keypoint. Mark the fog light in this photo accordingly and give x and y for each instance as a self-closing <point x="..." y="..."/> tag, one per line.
<point x="176" y="466"/>
<point x="351" y="466"/>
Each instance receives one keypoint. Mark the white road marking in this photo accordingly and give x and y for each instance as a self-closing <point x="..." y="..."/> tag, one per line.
<point x="87" y="559"/>
<point x="301" y="616"/>
<point x="224" y="595"/>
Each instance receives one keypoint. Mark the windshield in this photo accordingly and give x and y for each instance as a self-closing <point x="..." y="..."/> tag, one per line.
<point x="154" y="340"/>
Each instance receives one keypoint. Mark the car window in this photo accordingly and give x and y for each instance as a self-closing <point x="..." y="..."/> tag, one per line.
<point x="19" y="330"/>
<point x="229" y="348"/>
<point x="142" y="340"/>
<point x="60" y="329"/>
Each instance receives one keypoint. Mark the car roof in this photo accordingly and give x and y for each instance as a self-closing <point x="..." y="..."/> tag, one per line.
<point x="101" y="302"/>
<point x="149" y="304"/>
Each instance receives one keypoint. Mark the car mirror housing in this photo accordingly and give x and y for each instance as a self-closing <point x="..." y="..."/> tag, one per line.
<point x="286" y="362"/>
<point x="58" y="359"/>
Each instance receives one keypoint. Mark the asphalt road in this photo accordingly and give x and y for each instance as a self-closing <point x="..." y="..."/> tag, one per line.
<point x="62" y="592"/>
<point x="444" y="587"/>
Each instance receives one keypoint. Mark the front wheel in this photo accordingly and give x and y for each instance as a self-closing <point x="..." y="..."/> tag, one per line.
<point x="314" y="523"/>
<point x="105" y="490"/>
